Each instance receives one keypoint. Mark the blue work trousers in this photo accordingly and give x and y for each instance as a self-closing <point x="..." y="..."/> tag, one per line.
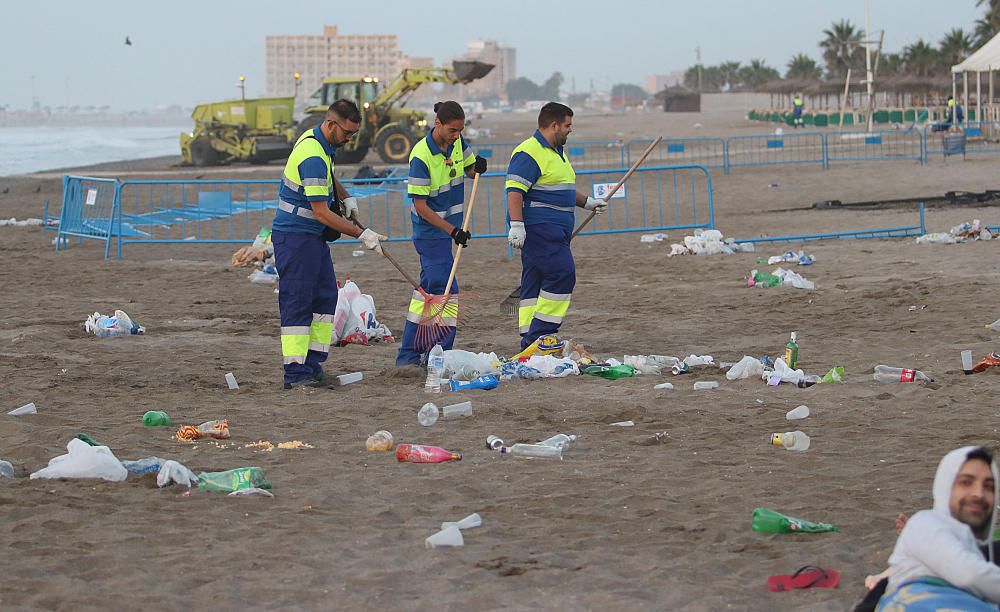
<point x="436" y="260"/>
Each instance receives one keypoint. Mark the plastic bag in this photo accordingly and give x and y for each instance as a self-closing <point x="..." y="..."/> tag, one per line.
<point x="548" y="366"/>
<point x="120" y="324"/>
<point x="466" y="365"/>
<point x="782" y="373"/>
<point x="266" y="276"/>
<point x="745" y="368"/>
<point x="84" y="461"/>
<point x="209" y="429"/>
<point x="173" y="472"/>
<point x="354" y="319"/>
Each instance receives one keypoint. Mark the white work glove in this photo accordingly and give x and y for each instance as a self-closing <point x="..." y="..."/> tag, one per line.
<point x="350" y="208"/>
<point x="371" y="240"/>
<point x="516" y="235"/>
<point x="595" y="206"/>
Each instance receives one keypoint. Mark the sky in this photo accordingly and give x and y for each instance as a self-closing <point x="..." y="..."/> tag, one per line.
<point x="67" y="52"/>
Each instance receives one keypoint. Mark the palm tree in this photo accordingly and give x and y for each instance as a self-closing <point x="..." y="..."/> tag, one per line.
<point x="955" y="47"/>
<point x="730" y="73"/>
<point x="841" y="47"/>
<point x="920" y="58"/>
<point x="992" y="12"/>
<point x="756" y="74"/>
<point x="890" y="64"/>
<point x="983" y="32"/>
<point x="803" y="67"/>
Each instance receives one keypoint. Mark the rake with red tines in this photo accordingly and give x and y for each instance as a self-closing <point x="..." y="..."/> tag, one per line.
<point x="440" y="312"/>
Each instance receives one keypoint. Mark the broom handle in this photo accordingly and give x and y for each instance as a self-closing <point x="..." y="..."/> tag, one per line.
<point x="393" y="261"/>
<point x="634" y="167"/>
<point x="465" y="227"/>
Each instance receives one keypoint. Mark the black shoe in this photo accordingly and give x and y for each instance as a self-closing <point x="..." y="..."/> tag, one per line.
<point x="305" y="382"/>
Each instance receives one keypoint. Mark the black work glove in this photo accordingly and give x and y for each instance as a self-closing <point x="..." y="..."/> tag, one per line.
<point x="480" y="165"/>
<point x="461" y="237"/>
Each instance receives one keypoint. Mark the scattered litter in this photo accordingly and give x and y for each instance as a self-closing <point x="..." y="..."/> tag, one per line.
<point x="968" y="231"/>
<point x="745" y="368"/>
<point x="470" y="522"/>
<point x="795" y="414"/>
<point x="494" y="442"/>
<point x="773" y="185"/>
<point x="921" y="307"/>
<point x="174" y="472"/>
<point x="610" y="372"/>
<point x="452" y="536"/>
<point x="354" y="319"/>
<point x="346" y="379"/>
<point x="780" y="276"/>
<point x="799" y="258"/>
<point x="251" y="491"/>
<point x="782" y="373"/>
<point x="650" y="364"/>
<point x="267" y="447"/>
<point x="294" y="445"/>
<point x="143" y="466"/>
<point x="664" y="386"/>
<point x="120" y="324"/>
<point x="84" y="461"/>
<point x="231" y="381"/>
<point x="209" y="429"/>
<point x="990" y="361"/>
<point x="233" y="480"/>
<point x="483" y="382"/>
<point x="709" y="242"/>
<point x="539" y="366"/>
<point x="766" y="520"/>
<point x="379" y="441"/>
<point x="659" y="237"/>
<point x="28" y="408"/>
<point x="428" y="414"/>
<point x="705" y="384"/>
<point x="994" y="326"/>
<point x="623" y="424"/>
<point x="791" y="440"/>
<point x="421" y="453"/>
<point x="268" y="275"/>
<point x="533" y="451"/>
<point x="155" y="418"/>
<point x="466" y="365"/>
<point x="24" y="223"/>
<point x="357" y="253"/>
<point x="6" y="469"/>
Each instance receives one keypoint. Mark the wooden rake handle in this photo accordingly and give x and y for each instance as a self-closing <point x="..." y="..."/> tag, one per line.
<point x="634" y="167"/>
<point x="465" y="227"/>
<point x="395" y="264"/>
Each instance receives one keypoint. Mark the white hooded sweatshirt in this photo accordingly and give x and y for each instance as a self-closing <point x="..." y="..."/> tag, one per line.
<point x="933" y="543"/>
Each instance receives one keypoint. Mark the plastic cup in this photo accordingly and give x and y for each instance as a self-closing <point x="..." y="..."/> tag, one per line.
<point x="346" y="379"/>
<point x="428" y="414"/>
<point x="452" y="536"/>
<point x="473" y="520"/>
<point x="798" y="413"/>
<point x="25" y="409"/>
<point x="231" y="381"/>
<point x="462" y="409"/>
<point x="967" y="362"/>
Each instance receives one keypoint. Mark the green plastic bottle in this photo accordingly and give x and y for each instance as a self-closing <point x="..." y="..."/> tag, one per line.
<point x="610" y="372"/>
<point x="155" y="418"/>
<point x="791" y="352"/>
<point x="88" y="439"/>
<point x="769" y="521"/>
<point x="233" y="480"/>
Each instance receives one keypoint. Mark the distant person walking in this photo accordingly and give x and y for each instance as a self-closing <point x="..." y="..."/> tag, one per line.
<point x="541" y="200"/>
<point x="303" y="224"/>
<point x="797" y="107"/>
<point x="439" y="165"/>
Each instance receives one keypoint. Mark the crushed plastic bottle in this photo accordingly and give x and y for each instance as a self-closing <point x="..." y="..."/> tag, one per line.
<point x="233" y="480"/>
<point x="791" y="440"/>
<point x="148" y="465"/>
<point x="120" y="324"/>
<point x="533" y="451"/>
<point x="884" y="373"/>
<point x="560" y="441"/>
<point x="379" y="441"/>
<point x="435" y="369"/>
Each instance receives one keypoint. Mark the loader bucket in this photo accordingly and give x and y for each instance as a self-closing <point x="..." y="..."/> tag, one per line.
<point x="467" y="71"/>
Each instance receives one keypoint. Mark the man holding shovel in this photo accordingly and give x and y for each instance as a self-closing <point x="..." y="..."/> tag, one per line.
<point x="438" y="166"/>
<point x="541" y="198"/>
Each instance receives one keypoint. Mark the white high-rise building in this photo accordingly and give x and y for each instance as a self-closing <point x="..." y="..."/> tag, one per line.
<point x="315" y="57"/>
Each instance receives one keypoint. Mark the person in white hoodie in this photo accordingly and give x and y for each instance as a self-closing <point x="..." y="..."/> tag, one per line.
<point x="937" y="562"/>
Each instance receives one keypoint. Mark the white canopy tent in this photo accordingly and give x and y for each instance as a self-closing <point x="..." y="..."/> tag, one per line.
<point x="985" y="59"/>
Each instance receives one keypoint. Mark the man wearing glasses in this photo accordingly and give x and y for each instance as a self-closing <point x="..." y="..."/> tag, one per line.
<point x="303" y="224"/>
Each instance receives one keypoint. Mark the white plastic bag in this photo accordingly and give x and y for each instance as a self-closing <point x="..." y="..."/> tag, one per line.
<point x="84" y="461"/>
<point x="550" y="366"/>
<point x="173" y="472"/>
<point x="784" y="373"/>
<point x="466" y="365"/>
<point x="745" y="368"/>
<point x="120" y="324"/>
<point x="354" y="319"/>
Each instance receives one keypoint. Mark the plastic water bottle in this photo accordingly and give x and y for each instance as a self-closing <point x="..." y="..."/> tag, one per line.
<point x="428" y="414"/>
<point x="149" y="465"/>
<point x="462" y="409"/>
<point x="494" y="442"/>
<point x="533" y="451"/>
<point x="560" y="441"/>
<point x="155" y="418"/>
<point x="884" y="373"/>
<point x="791" y="440"/>
<point x="435" y="367"/>
<point x="6" y="469"/>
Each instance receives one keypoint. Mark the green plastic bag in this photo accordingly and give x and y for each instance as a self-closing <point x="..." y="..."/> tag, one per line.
<point x="610" y="372"/>
<point x="233" y="480"/>
<point x="766" y="520"/>
<point x="836" y="374"/>
<point x="766" y="279"/>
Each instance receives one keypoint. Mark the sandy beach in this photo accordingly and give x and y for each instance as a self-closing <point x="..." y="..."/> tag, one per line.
<point x="629" y="519"/>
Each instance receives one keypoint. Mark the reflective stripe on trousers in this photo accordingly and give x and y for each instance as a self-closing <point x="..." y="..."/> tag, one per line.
<point x="435" y="266"/>
<point x="548" y="276"/>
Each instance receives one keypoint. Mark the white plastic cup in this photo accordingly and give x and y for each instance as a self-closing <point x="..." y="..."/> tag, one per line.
<point x="231" y="381"/>
<point x="705" y="384"/>
<point x="967" y="362"/>
<point x="346" y="379"/>
<point x="28" y="408"/>
<point x="623" y="424"/>
<point x="452" y="536"/>
<point x="798" y="413"/>
<point x="664" y="386"/>
<point x="428" y="414"/>
<point x="473" y="520"/>
<point x="463" y="409"/>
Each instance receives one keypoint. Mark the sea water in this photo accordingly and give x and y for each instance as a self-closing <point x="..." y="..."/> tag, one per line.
<point x="33" y="149"/>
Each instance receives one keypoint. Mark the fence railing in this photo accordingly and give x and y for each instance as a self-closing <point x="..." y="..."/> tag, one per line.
<point x="980" y="137"/>
<point x="136" y="212"/>
<point x="708" y="152"/>
<point x="885" y="145"/>
<point x="582" y="154"/>
<point x="774" y="149"/>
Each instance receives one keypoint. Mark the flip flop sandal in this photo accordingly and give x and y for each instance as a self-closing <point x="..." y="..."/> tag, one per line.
<point x="806" y="577"/>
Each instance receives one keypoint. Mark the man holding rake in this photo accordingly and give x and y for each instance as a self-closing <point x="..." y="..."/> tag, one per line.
<point x="438" y="166"/>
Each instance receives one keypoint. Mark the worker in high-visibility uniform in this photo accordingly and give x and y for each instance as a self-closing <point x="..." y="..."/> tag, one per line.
<point x="797" y="107"/>
<point x="439" y="165"/>
<point x="541" y="200"/>
<point x="304" y="222"/>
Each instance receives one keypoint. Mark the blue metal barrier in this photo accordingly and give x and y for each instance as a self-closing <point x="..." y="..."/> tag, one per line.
<point x="980" y="137"/>
<point x="582" y="154"/>
<point x="707" y="152"/>
<point x="771" y="149"/>
<point x="232" y="211"/>
<point x="883" y="232"/>
<point x="886" y="145"/>
<point x="88" y="207"/>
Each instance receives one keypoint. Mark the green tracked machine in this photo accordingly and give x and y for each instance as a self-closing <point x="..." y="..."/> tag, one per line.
<point x="263" y="129"/>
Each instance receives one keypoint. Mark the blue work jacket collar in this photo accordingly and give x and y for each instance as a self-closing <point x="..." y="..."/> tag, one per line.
<point x="545" y="143"/>
<point x="435" y="149"/>
<point x="329" y="148"/>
